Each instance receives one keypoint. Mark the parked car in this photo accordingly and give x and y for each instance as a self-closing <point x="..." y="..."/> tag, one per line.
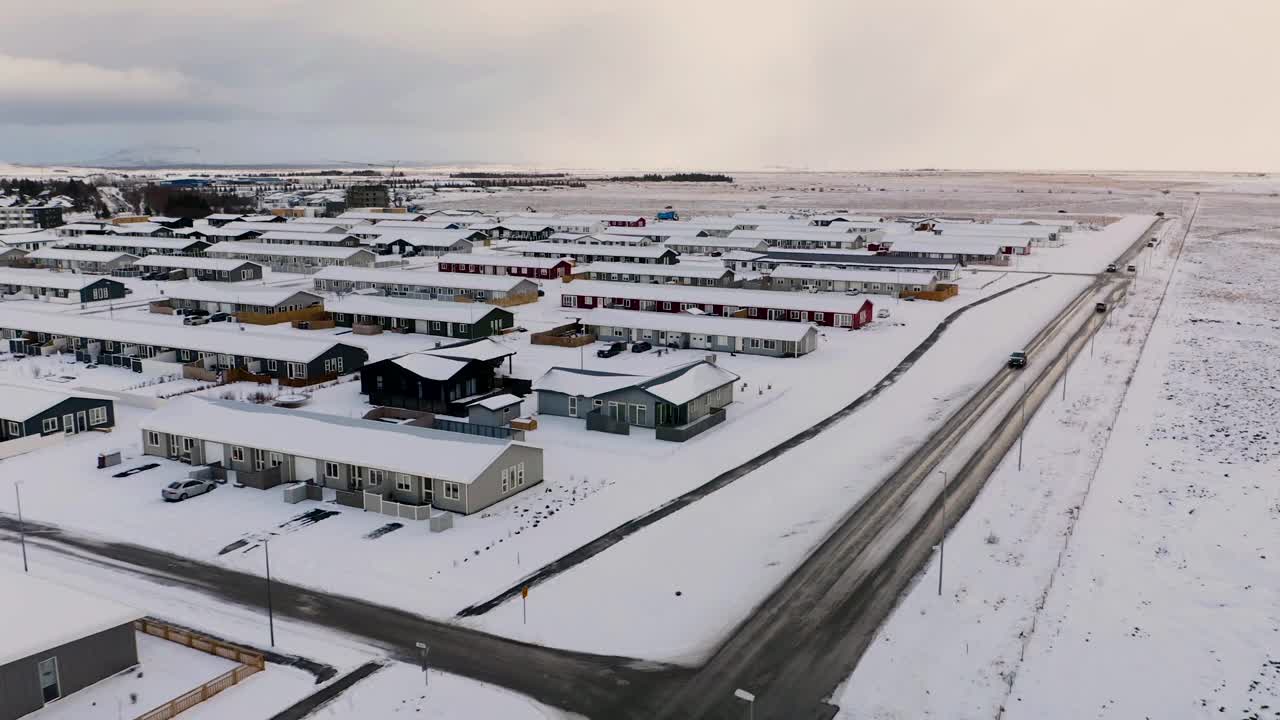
<point x="1111" y="267"/>
<point x="221" y="317"/>
<point x="1100" y="307"/>
<point x="882" y="313"/>
<point x="1151" y="243"/>
<point x="910" y="298"/>
<point x="195" y="320"/>
<point x="1018" y="359"/>
<point x="183" y="489"/>
<point x="642" y="346"/>
<point x="1132" y="268"/>
<point x="613" y="349"/>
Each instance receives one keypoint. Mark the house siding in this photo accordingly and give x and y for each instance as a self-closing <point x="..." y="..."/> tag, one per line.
<point x="486" y="489"/>
<point x="81" y="663"/>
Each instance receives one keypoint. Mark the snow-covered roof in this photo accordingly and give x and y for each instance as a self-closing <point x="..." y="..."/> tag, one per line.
<point x="729" y="243"/>
<point x="584" y="383"/>
<point x="853" y="257"/>
<point x="220" y="292"/>
<point x="422" y="278"/>
<point x="688" y="270"/>
<point x="23" y="401"/>
<point x="130" y="241"/>
<point x="38" y="615"/>
<point x="641" y="251"/>
<point x="568" y="236"/>
<point x="46" y="278"/>
<point x="230" y="341"/>
<point x="52" y="253"/>
<point x="807" y="233"/>
<point x="418" y="237"/>
<point x="698" y="324"/>
<point x="408" y="309"/>
<point x="138" y="228"/>
<point x="502" y="260"/>
<point x="497" y="402"/>
<point x="962" y="245"/>
<point x="699" y="295"/>
<point x="196" y="263"/>
<point x="288" y="236"/>
<point x="800" y="272"/>
<point x="484" y="349"/>
<point x="294" y="227"/>
<point x="283" y="250"/>
<point x="456" y="457"/>
<point x="430" y="366"/>
<point x="367" y="215"/>
<point x="996" y="231"/>
<point x="223" y="216"/>
<point x="21" y="231"/>
<point x="657" y="230"/>
<point x="85" y="226"/>
<point x="216" y="232"/>
<point x="695" y="381"/>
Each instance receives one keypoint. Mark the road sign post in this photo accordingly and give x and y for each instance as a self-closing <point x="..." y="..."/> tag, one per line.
<point x="749" y="699"/>
<point x="426" y="674"/>
<point x="524" y="605"/>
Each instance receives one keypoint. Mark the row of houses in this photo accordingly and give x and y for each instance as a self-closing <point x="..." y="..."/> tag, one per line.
<point x="30" y="284"/>
<point x="288" y="359"/>
<point x="428" y="285"/>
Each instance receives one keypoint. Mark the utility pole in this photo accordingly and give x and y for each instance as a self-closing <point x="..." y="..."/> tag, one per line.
<point x="22" y="528"/>
<point x="942" y="542"/>
<point x="1066" y="368"/>
<point x="271" y="621"/>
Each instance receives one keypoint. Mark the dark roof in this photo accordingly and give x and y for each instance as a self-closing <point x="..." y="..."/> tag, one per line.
<point x="852" y="258"/>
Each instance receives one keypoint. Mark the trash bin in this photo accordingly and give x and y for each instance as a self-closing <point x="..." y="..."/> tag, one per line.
<point x="108" y="459"/>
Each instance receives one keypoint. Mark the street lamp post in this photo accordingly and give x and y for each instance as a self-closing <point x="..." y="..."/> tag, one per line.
<point x="271" y="621"/>
<point x="22" y="528"/>
<point x="426" y="676"/>
<point x="942" y="541"/>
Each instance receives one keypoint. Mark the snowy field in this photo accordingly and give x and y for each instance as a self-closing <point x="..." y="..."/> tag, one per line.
<point x="1131" y="552"/>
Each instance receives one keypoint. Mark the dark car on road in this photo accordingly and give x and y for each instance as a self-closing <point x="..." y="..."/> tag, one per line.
<point x="613" y="349"/>
<point x="1018" y="359"/>
<point x="1100" y="307"/>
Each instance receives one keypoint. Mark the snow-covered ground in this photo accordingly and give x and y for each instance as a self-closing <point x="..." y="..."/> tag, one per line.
<point x="1125" y="571"/>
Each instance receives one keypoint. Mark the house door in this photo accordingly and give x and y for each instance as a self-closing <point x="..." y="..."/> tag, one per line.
<point x="50" y="688"/>
<point x="68" y="423"/>
<point x="700" y="341"/>
<point x="175" y="443"/>
<point x="82" y="422"/>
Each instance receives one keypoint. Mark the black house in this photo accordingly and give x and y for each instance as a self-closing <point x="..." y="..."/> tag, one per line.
<point x="427" y="382"/>
<point x="28" y="412"/>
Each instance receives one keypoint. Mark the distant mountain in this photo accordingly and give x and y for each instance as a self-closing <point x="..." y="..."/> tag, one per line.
<point x="148" y="156"/>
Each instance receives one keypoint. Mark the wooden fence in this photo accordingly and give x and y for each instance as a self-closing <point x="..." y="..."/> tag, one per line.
<point x="250" y="663"/>
<point x="942" y="293"/>
<point x="311" y="313"/>
<point x="562" y="336"/>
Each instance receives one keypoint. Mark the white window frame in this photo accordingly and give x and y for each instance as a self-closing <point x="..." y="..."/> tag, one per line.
<point x="451" y="490"/>
<point x="404" y="482"/>
<point x="272" y="365"/>
<point x="97" y="416"/>
<point x="237" y="453"/>
<point x="520" y="474"/>
<point x="506" y="479"/>
<point x="49" y="425"/>
<point x="153" y="438"/>
<point x="573" y="406"/>
<point x="15" y="430"/>
<point x="331" y="470"/>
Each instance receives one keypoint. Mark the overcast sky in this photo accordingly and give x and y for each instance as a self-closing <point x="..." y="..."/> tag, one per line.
<point x="715" y="84"/>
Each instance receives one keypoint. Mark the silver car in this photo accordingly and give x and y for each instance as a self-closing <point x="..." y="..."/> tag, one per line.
<point x="183" y="489"/>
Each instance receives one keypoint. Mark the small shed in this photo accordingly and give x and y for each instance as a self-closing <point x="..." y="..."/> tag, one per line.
<point x="496" y="410"/>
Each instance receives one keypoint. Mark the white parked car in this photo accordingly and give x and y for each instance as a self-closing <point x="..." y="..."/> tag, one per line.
<point x="882" y="313"/>
<point x="183" y="489"/>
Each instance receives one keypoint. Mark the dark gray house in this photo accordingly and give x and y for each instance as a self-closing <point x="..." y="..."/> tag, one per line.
<point x="431" y="317"/>
<point x="27" y="411"/>
<point x="494" y="410"/>
<point x="202" y="268"/>
<point x="72" y="642"/>
<point x="58" y="287"/>
<point x="370" y="463"/>
<point x="680" y="403"/>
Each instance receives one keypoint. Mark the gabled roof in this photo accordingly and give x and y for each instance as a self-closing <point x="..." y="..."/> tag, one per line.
<point x="677" y="385"/>
<point x="485" y="349"/>
<point x="199" y="263"/>
<point x="644" y="251"/>
<point x="281" y="249"/>
<point x="219" y="292"/>
<point x="503" y="260"/>
<point x="409" y="309"/>
<point x="430" y="366"/>
<point x="293" y="227"/>
<point x="65" y="615"/>
<point x="688" y="270"/>
<point x="49" y="253"/>
<point x="48" y="279"/>
<point x="288" y="236"/>
<point x="700" y="324"/>
<point x="422" y="278"/>
<point x="22" y="401"/>
<point x="497" y="402"/>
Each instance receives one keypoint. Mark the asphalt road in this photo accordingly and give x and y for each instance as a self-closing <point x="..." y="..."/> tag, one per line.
<point x="802" y="641"/>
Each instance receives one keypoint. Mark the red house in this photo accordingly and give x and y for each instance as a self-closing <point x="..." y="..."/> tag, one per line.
<point x="827" y="309"/>
<point x="528" y="267"/>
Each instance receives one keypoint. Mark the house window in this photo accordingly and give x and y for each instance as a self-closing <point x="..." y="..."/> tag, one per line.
<point x="98" y="416"/>
<point x="754" y="343"/>
<point x="49" y="425"/>
<point x="751" y="312"/>
<point x="435" y="324"/>
<point x="666" y="306"/>
<point x="153" y="438"/>
<point x="331" y="470"/>
<point x="237" y="454"/>
<point x="573" y="406"/>
<point x="843" y="319"/>
<point x="272" y="365"/>
<point x="275" y="459"/>
<point x="795" y="314"/>
<point x="187" y="444"/>
<point x="819" y="317"/>
<point x="375" y="477"/>
<point x="770" y="345"/>
<point x="428" y="492"/>
<point x="638" y="414"/>
<point x="297" y="371"/>
<point x="15" y="430"/>
<point x="597" y="403"/>
<point x="519" y="475"/>
<point x="404" y="482"/>
<point x="452" y="491"/>
<point x="506" y="479"/>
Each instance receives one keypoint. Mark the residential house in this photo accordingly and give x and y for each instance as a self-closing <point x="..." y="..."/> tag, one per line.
<point x="497" y="410"/>
<point x="542" y="268"/>
<point x="516" y="230"/>
<point x="832" y="279"/>
<point x="58" y="287"/>
<point x="828" y="309"/>
<point x="367" y="461"/>
<point x="58" y="641"/>
<point x="137" y="246"/>
<point x="680" y="274"/>
<point x="427" y="382"/>
<point x="293" y="258"/>
<point x="28" y="411"/>
<point x="86" y="261"/>
<point x="202" y="268"/>
<point x="703" y="332"/>
<point x="502" y="290"/>
<point x="166" y="348"/>
<point x="417" y="241"/>
<point x="580" y="253"/>
<point x="254" y="303"/>
<point x="679" y="403"/>
<point x="289" y="237"/>
<point x="712" y="245"/>
<point x="429" y="317"/>
<point x="31" y="216"/>
<point x="28" y="238"/>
